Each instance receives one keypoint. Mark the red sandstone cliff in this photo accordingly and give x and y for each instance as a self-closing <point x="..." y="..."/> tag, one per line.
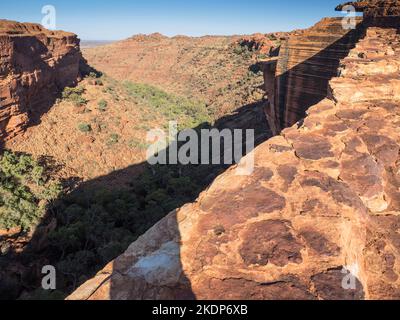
<point x="307" y="60"/>
<point x="35" y="64"/>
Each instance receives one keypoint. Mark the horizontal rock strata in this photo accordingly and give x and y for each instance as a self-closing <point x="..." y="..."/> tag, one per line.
<point x="307" y="61"/>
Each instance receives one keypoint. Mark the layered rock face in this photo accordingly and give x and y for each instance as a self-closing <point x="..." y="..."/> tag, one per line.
<point x="35" y="64"/>
<point x="307" y="61"/>
<point x="319" y="218"/>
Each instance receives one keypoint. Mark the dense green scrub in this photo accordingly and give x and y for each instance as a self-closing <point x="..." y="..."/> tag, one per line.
<point x="25" y="191"/>
<point x="188" y="113"/>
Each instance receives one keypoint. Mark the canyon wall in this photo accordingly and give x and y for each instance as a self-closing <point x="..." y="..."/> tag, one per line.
<point x="307" y="61"/>
<point x="319" y="217"/>
<point x="35" y="65"/>
<point x="309" y="58"/>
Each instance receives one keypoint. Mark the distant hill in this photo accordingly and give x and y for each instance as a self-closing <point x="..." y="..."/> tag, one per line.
<point x="94" y="43"/>
<point x="219" y="70"/>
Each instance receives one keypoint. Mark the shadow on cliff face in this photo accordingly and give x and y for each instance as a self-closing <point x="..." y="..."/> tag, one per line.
<point x="98" y="220"/>
<point x="305" y="84"/>
<point x="65" y="78"/>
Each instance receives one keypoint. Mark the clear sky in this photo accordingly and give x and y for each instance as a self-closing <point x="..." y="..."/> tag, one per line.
<point x="119" y="19"/>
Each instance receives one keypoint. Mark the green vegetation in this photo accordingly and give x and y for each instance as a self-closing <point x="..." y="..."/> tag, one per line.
<point x="136" y="144"/>
<point x="262" y="56"/>
<point x="102" y="104"/>
<point x="188" y="113"/>
<point x="74" y="95"/>
<point x="84" y="127"/>
<point x="25" y="191"/>
<point x="95" y="222"/>
<point x="243" y="50"/>
<point x="111" y="86"/>
<point x="113" y="139"/>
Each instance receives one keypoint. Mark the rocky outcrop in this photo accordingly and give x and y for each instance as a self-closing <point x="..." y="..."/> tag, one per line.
<point x="384" y="13"/>
<point x="319" y="217"/>
<point x="374" y="8"/>
<point x="35" y="64"/>
<point x="265" y="44"/>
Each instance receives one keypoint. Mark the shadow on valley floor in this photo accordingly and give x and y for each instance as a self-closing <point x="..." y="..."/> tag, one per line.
<point x="98" y="220"/>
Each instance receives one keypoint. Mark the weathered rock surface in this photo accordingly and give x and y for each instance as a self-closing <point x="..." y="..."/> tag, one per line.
<point x="265" y="44"/>
<point x="374" y="8"/>
<point x="35" y="64"/>
<point x="384" y="13"/>
<point x="319" y="218"/>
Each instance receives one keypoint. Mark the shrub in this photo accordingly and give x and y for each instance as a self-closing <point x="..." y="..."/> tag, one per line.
<point x="74" y="95"/>
<point x="102" y="104"/>
<point x="243" y="49"/>
<point x="239" y="50"/>
<point x="111" y="90"/>
<point x="133" y="143"/>
<point x="262" y="56"/>
<point x="113" y="139"/>
<point x="84" y="127"/>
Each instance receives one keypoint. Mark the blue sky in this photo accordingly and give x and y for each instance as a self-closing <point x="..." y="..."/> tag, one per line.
<point x="119" y="19"/>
